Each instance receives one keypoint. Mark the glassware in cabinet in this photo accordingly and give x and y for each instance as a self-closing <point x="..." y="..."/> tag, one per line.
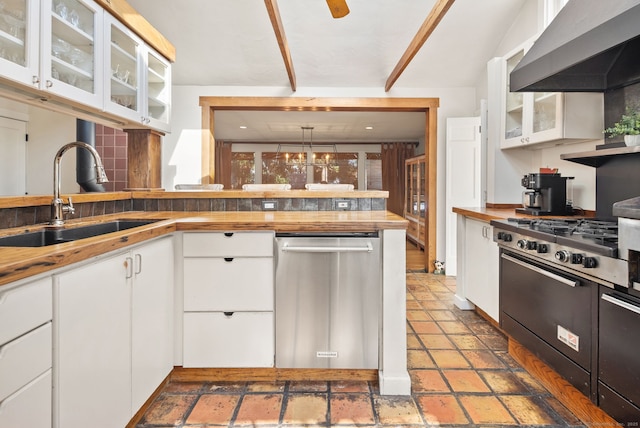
<point x="72" y="54"/>
<point x="19" y="40"/>
<point x="123" y="83"/>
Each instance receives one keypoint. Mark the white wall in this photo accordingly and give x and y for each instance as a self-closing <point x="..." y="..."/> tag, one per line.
<point x="181" y="148"/>
<point x="48" y="131"/>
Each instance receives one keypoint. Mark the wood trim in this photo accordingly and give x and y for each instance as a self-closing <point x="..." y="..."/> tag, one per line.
<point x="140" y="413"/>
<point x="430" y="23"/>
<point x="503" y="206"/>
<point x="428" y="105"/>
<point x="567" y="394"/>
<point x="144" y="159"/>
<point x="181" y="374"/>
<point x="319" y="104"/>
<point x="130" y="17"/>
<point x="278" y="29"/>
<point x="431" y="162"/>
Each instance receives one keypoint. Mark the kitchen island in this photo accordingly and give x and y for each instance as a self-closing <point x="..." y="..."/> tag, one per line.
<point x="93" y="260"/>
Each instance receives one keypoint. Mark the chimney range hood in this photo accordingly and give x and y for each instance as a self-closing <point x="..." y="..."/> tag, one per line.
<point x="591" y="46"/>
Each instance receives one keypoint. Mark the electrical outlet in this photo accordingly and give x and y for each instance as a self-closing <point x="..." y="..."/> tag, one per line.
<point x="343" y="205"/>
<point x="269" y="205"/>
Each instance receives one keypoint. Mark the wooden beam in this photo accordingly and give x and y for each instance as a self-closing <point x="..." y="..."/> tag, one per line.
<point x="318" y="104"/>
<point x="278" y="29"/>
<point x="130" y="17"/>
<point x="435" y="16"/>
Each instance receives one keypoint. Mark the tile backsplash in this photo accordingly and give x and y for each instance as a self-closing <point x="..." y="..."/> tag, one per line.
<point x="111" y="144"/>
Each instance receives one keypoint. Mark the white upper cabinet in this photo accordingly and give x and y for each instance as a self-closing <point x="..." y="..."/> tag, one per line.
<point x="138" y="79"/>
<point x="158" y="91"/>
<point x="73" y="50"/>
<point x="530" y="118"/>
<point x="19" y="40"/>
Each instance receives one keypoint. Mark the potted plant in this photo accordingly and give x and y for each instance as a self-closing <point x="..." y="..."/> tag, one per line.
<point x="628" y="126"/>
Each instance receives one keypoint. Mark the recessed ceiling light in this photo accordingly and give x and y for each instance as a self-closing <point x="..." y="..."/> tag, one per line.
<point x="368" y="128"/>
<point x="243" y="127"/>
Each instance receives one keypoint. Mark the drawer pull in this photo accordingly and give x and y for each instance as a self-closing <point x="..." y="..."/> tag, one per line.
<point x="228" y="234"/>
<point x="228" y="259"/>
<point x="228" y="314"/>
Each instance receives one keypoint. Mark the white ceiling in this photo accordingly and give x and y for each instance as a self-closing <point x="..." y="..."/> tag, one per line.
<point x="232" y="43"/>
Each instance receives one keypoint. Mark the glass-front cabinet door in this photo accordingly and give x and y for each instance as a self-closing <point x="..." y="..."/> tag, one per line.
<point x="514" y="115"/>
<point x="72" y="55"/>
<point x="158" y="78"/>
<point x="123" y="68"/>
<point x="19" y="40"/>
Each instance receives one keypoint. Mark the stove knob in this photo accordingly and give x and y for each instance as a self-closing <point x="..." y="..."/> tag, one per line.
<point x="590" y="262"/>
<point x="563" y="256"/>
<point x="576" y="259"/>
<point x="532" y="245"/>
<point x="507" y="237"/>
<point x="522" y="244"/>
<point x="500" y="236"/>
<point x="542" y="248"/>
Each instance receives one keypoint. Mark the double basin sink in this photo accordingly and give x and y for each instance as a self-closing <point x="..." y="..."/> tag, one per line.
<point x="44" y="237"/>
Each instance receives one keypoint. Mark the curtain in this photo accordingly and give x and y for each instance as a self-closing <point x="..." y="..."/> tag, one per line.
<point x="393" y="173"/>
<point x="223" y="164"/>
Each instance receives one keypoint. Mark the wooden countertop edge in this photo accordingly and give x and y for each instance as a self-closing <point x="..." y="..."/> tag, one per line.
<point x="487" y="214"/>
<point x="22" y="262"/>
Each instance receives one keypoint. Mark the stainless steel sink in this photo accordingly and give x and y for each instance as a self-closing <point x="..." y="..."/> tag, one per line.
<point x="46" y="237"/>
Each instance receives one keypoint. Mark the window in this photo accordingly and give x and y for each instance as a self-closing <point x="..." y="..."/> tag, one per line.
<point x="374" y="171"/>
<point x="336" y="168"/>
<point x="284" y="170"/>
<point x="243" y="169"/>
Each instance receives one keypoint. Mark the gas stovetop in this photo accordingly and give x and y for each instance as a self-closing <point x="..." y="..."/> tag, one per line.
<point x="586" y="246"/>
<point x="598" y="236"/>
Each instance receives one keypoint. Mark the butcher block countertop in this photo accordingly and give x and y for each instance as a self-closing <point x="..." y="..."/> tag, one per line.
<point x="21" y="262"/>
<point x="488" y="214"/>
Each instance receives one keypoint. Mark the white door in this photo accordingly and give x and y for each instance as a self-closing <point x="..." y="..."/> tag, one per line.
<point x="13" y="160"/>
<point x="464" y="177"/>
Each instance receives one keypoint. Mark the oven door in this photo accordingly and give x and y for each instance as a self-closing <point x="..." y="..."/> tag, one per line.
<point x="619" y="358"/>
<point x="551" y="313"/>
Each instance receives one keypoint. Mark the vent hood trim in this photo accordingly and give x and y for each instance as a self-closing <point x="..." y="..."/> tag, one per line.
<point x="591" y="46"/>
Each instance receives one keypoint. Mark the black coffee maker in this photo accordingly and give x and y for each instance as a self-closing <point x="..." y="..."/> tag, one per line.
<point x="546" y="195"/>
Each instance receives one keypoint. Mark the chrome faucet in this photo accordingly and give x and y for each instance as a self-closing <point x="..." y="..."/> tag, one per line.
<point x="58" y="207"/>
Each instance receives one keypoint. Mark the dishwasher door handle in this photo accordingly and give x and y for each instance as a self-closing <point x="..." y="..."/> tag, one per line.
<point x="543" y="272"/>
<point x="320" y="249"/>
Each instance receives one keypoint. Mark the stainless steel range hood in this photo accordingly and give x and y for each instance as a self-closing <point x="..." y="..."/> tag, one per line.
<point x="591" y="46"/>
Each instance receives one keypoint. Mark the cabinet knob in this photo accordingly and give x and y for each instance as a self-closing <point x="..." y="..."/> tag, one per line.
<point x="49" y="83"/>
<point x="35" y="80"/>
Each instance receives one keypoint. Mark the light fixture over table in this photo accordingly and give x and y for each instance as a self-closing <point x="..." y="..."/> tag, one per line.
<point x="297" y="158"/>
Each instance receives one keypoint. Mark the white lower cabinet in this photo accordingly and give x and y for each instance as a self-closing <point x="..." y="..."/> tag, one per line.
<point x="228" y="299"/>
<point x="25" y="354"/>
<point x="480" y="266"/>
<point x="228" y="339"/>
<point x="113" y="330"/>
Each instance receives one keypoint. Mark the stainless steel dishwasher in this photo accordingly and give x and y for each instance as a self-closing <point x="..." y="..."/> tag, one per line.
<point x="328" y="300"/>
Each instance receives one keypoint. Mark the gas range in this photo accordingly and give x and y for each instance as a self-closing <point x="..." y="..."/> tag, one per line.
<point x="584" y="246"/>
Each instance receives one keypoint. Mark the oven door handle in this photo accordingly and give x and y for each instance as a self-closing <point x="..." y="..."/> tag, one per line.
<point x="536" y="269"/>
<point x="621" y="303"/>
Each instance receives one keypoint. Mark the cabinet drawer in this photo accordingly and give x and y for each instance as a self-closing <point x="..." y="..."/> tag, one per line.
<point x="23" y="359"/>
<point x="234" y="284"/>
<point x="30" y="406"/>
<point x="24" y="308"/>
<point x="243" y="339"/>
<point x="228" y="244"/>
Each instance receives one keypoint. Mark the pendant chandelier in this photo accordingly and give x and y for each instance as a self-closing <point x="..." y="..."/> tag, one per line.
<point x="298" y="154"/>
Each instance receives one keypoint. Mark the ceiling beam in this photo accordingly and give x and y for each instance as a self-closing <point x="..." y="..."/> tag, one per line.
<point x="276" y="23"/>
<point x="435" y="16"/>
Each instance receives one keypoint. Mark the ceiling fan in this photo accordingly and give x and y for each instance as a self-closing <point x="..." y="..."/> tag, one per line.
<point x="338" y="8"/>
